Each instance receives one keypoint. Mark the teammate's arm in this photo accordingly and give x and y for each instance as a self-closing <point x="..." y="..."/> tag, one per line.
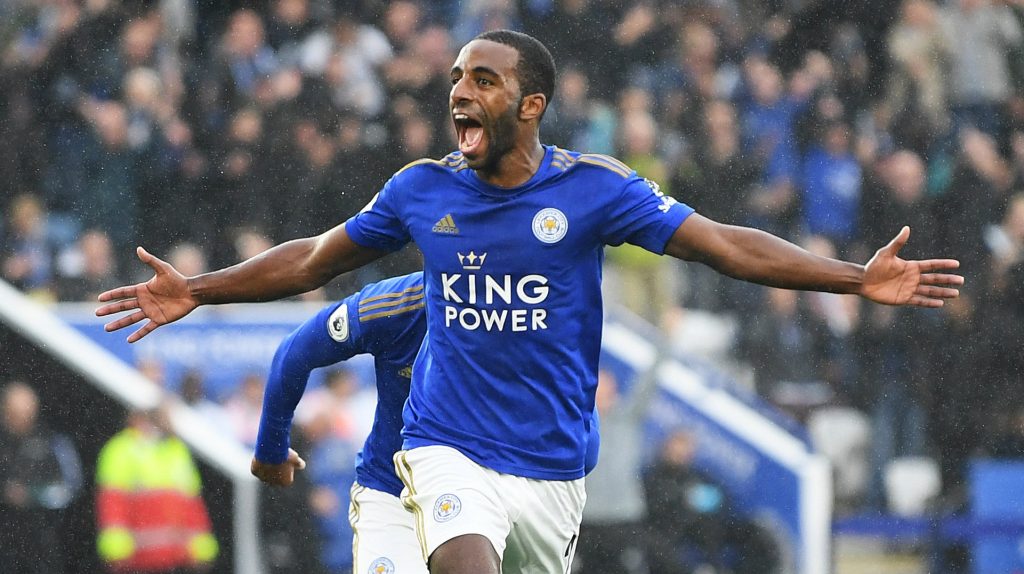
<point x="759" y="257"/>
<point x="287" y="269"/>
<point x="307" y="348"/>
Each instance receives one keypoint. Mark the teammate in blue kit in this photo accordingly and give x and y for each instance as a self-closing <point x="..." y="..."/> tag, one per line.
<point x="512" y="233"/>
<point x="387" y="320"/>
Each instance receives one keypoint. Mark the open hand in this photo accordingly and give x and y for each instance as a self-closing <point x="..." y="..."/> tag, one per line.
<point x="894" y="281"/>
<point x="163" y="299"/>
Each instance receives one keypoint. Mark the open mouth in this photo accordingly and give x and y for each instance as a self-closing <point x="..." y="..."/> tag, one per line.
<point x="471" y="133"/>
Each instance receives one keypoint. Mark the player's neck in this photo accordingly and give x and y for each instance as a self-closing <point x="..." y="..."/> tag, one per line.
<point x="516" y="167"/>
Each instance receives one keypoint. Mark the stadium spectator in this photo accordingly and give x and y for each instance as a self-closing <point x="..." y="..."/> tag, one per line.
<point x="720" y="180"/>
<point x="250" y="243"/>
<point x="193" y="391"/>
<point x="644" y="282"/>
<point x="290" y="30"/>
<point x="236" y="195"/>
<point x="787" y="348"/>
<point x="153" y="369"/>
<point x="838" y="317"/>
<point x="150" y="514"/>
<point x="578" y="30"/>
<point x="917" y="98"/>
<point x="190" y="256"/>
<point x="333" y="400"/>
<point x="351" y="57"/>
<point x="831" y="186"/>
<point x="88" y="268"/>
<point x="1000" y="316"/>
<point x="898" y="192"/>
<point x="769" y="119"/>
<point x="332" y="474"/>
<point x="574" y="116"/>
<point x="29" y="247"/>
<point x="980" y="35"/>
<point x="109" y="186"/>
<point x="693" y="526"/>
<point x="290" y="532"/>
<point x="957" y="435"/>
<point x="244" y="63"/>
<point x="968" y="201"/>
<point x="40" y="475"/>
<point x="1005" y="241"/>
<point x="242" y="408"/>
<point x="611" y="536"/>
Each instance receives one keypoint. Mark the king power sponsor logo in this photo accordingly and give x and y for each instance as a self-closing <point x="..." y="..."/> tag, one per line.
<point x="478" y="301"/>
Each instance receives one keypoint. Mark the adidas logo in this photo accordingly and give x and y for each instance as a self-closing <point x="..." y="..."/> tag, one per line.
<point x="446" y="225"/>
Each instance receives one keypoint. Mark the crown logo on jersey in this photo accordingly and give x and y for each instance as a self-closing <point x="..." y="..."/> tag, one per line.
<point x="472" y="261"/>
<point x="446" y="225"/>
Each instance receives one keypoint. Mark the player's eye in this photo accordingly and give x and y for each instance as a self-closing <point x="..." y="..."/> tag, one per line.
<point x="484" y="82"/>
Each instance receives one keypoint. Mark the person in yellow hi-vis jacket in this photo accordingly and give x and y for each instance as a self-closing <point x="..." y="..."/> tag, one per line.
<point x="150" y="515"/>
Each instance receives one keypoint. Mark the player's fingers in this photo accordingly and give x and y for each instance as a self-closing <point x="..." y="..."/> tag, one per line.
<point x="919" y="301"/>
<point x="296" y="460"/>
<point x="125" y="321"/>
<point x="153" y="261"/>
<point x="937" y="292"/>
<point x="119" y="293"/>
<point x="942" y="279"/>
<point x="898" y="242"/>
<point x="939" y="265"/>
<point x="145" y="330"/>
<point x="117" y="307"/>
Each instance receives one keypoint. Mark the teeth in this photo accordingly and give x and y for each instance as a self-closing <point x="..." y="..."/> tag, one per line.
<point x="461" y="117"/>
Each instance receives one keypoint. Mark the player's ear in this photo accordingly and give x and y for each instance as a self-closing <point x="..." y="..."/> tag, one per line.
<point x="532" y="106"/>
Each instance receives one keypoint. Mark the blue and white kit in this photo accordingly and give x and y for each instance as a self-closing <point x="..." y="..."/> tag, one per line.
<point x="508" y="369"/>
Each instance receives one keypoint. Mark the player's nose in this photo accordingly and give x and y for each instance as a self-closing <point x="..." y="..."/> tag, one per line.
<point x="461" y="91"/>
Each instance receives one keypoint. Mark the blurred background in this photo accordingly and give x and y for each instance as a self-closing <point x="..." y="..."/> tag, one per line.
<point x="208" y="131"/>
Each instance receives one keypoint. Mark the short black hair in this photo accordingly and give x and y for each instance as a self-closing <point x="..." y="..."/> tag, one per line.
<point x="536" y="66"/>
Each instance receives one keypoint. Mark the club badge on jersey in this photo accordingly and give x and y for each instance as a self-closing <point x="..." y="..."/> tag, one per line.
<point x="381" y="566"/>
<point x="447" y="507"/>
<point x="550" y="225"/>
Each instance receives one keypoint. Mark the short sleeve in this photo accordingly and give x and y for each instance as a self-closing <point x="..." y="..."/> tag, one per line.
<point x="379" y="224"/>
<point x="642" y="215"/>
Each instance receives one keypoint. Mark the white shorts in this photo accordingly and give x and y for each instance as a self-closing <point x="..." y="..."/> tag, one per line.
<point x="532" y="524"/>
<point x="384" y="534"/>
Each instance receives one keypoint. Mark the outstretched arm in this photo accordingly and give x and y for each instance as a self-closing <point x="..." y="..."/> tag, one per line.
<point x="287" y="269"/>
<point x="759" y="257"/>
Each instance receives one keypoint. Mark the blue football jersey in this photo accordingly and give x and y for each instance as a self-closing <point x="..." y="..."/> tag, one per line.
<point x="385" y="319"/>
<point x="508" y="369"/>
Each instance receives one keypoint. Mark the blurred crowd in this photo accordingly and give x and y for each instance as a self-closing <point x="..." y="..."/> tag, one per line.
<point x="209" y="131"/>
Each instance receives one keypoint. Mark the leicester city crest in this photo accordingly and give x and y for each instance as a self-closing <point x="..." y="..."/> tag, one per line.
<point x="447" y="507"/>
<point x="381" y="566"/>
<point x="550" y="225"/>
